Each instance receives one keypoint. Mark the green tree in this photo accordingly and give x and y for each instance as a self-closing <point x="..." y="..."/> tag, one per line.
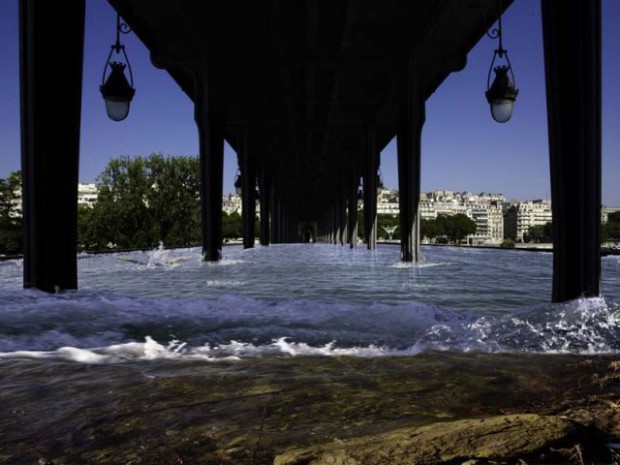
<point x="612" y="227"/>
<point x="85" y="231"/>
<point x="232" y="225"/>
<point x="539" y="233"/>
<point x="508" y="244"/>
<point x="456" y="227"/>
<point x="11" y="224"/>
<point x="145" y="200"/>
<point x="174" y="199"/>
<point x="430" y="229"/>
<point x="121" y="214"/>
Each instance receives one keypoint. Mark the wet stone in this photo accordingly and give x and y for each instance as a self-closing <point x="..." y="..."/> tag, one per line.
<point x="453" y="407"/>
<point x="505" y="437"/>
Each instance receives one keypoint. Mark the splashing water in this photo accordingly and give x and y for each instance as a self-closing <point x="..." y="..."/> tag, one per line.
<point x="303" y="300"/>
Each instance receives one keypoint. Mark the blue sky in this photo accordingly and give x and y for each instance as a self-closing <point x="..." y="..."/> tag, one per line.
<point x="463" y="148"/>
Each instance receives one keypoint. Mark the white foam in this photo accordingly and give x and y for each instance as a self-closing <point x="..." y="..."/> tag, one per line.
<point x="422" y="265"/>
<point x="183" y="308"/>
<point x="225" y="283"/>
<point x="234" y="350"/>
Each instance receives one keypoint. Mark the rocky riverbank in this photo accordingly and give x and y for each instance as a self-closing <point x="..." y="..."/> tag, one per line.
<point x="435" y="408"/>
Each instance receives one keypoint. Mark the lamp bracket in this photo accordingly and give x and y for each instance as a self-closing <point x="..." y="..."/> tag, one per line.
<point x="121" y="28"/>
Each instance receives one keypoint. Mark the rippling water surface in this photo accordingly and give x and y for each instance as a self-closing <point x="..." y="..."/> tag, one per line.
<point x="301" y="300"/>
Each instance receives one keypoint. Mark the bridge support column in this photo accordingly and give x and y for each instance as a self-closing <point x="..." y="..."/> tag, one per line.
<point x="572" y="49"/>
<point x="265" y="205"/>
<point x="49" y="143"/>
<point x="342" y="217"/>
<point x="352" y="212"/>
<point x="211" y="147"/>
<point x="339" y="221"/>
<point x="248" y="193"/>
<point x="409" y="150"/>
<point x="370" y="189"/>
<point x="276" y="218"/>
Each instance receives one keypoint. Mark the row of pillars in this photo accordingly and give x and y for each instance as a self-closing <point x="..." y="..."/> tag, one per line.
<point x="50" y="153"/>
<point x="339" y="226"/>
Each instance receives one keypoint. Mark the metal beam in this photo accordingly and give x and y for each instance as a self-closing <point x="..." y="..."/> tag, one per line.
<point x="50" y="138"/>
<point x="572" y="49"/>
<point x="409" y="156"/>
<point x="211" y="146"/>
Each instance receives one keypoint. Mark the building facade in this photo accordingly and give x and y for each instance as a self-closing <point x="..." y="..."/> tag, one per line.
<point x="519" y="217"/>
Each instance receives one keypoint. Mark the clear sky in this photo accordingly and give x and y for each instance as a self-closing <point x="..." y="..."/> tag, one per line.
<point x="463" y="148"/>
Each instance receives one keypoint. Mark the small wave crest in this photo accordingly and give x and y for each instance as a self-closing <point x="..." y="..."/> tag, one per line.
<point x="150" y="349"/>
<point x="582" y="326"/>
<point x="101" y="328"/>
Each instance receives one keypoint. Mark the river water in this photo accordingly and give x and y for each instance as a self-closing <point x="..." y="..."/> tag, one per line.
<point x="161" y="358"/>
<point x="304" y="299"/>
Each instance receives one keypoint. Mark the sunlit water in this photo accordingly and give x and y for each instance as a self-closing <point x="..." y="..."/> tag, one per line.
<point x="311" y="299"/>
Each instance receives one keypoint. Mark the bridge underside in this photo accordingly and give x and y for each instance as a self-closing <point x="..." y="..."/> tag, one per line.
<point x="307" y="92"/>
<point x="304" y="80"/>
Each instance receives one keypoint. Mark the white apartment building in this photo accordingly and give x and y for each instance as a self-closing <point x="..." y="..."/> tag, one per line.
<point x="231" y="203"/>
<point x="489" y="221"/>
<point x="521" y="216"/>
<point x="485" y="209"/>
<point x="387" y="202"/>
<point x="605" y="211"/>
<point x="87" y="194"/>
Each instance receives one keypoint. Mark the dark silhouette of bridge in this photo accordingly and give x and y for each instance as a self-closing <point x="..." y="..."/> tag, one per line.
<point x="307" y="92"/>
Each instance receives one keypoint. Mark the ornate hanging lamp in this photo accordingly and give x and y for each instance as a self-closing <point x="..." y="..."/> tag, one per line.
<point x="502" y="93"/>
<point x="238" y="183"/>
<point x="116" y="90"/>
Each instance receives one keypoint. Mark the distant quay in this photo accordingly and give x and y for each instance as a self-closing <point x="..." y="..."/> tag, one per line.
<point x="545" y="247"/>
<point x="518" y="247"/>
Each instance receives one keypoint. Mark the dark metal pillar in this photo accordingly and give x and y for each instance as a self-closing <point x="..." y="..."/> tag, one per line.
<point x="286" y="225"/>
<point x="248" y="193"/>
<point x="50" y="139"/>
<point x="276" y="225"/>
<point x="265" y="205"/>
<point x="342" y="217"/>
<point x="352" y="212"/>
<point x="370" y="190"/>
<point x="211" y="146"/>
<point x="409" y="151"/>
<point x="337" y="221"/>
<point x="572" y="48"/>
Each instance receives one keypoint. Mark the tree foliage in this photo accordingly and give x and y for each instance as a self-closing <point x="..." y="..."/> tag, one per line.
<point x="145" y="200"/>
<point x="454" y="228"/>
<point x="539" y="233"/>
<point x="611" y="229"/>
<point x="11" y="224"/>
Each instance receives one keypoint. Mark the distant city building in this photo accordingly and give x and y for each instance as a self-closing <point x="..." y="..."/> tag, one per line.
<point x="605" y="211"/>
<point x="519" y="217"/>
<point x="485" y="209"/>
<point x="87" y="194"/>
<point x="489" y="219"/>
<point x="387" y="202"/>
<point x="495" y="218"/>
<point x="231" y="203"/>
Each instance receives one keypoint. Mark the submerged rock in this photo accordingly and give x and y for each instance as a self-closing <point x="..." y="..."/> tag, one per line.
<point x="505" y="437"/>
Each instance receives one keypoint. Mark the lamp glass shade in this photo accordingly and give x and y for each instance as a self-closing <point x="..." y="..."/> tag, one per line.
<point x="502" y="95"/>
<point x="117" y="110"/>
<point x="117" y="92"/>
<point x="501" y="109"/>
